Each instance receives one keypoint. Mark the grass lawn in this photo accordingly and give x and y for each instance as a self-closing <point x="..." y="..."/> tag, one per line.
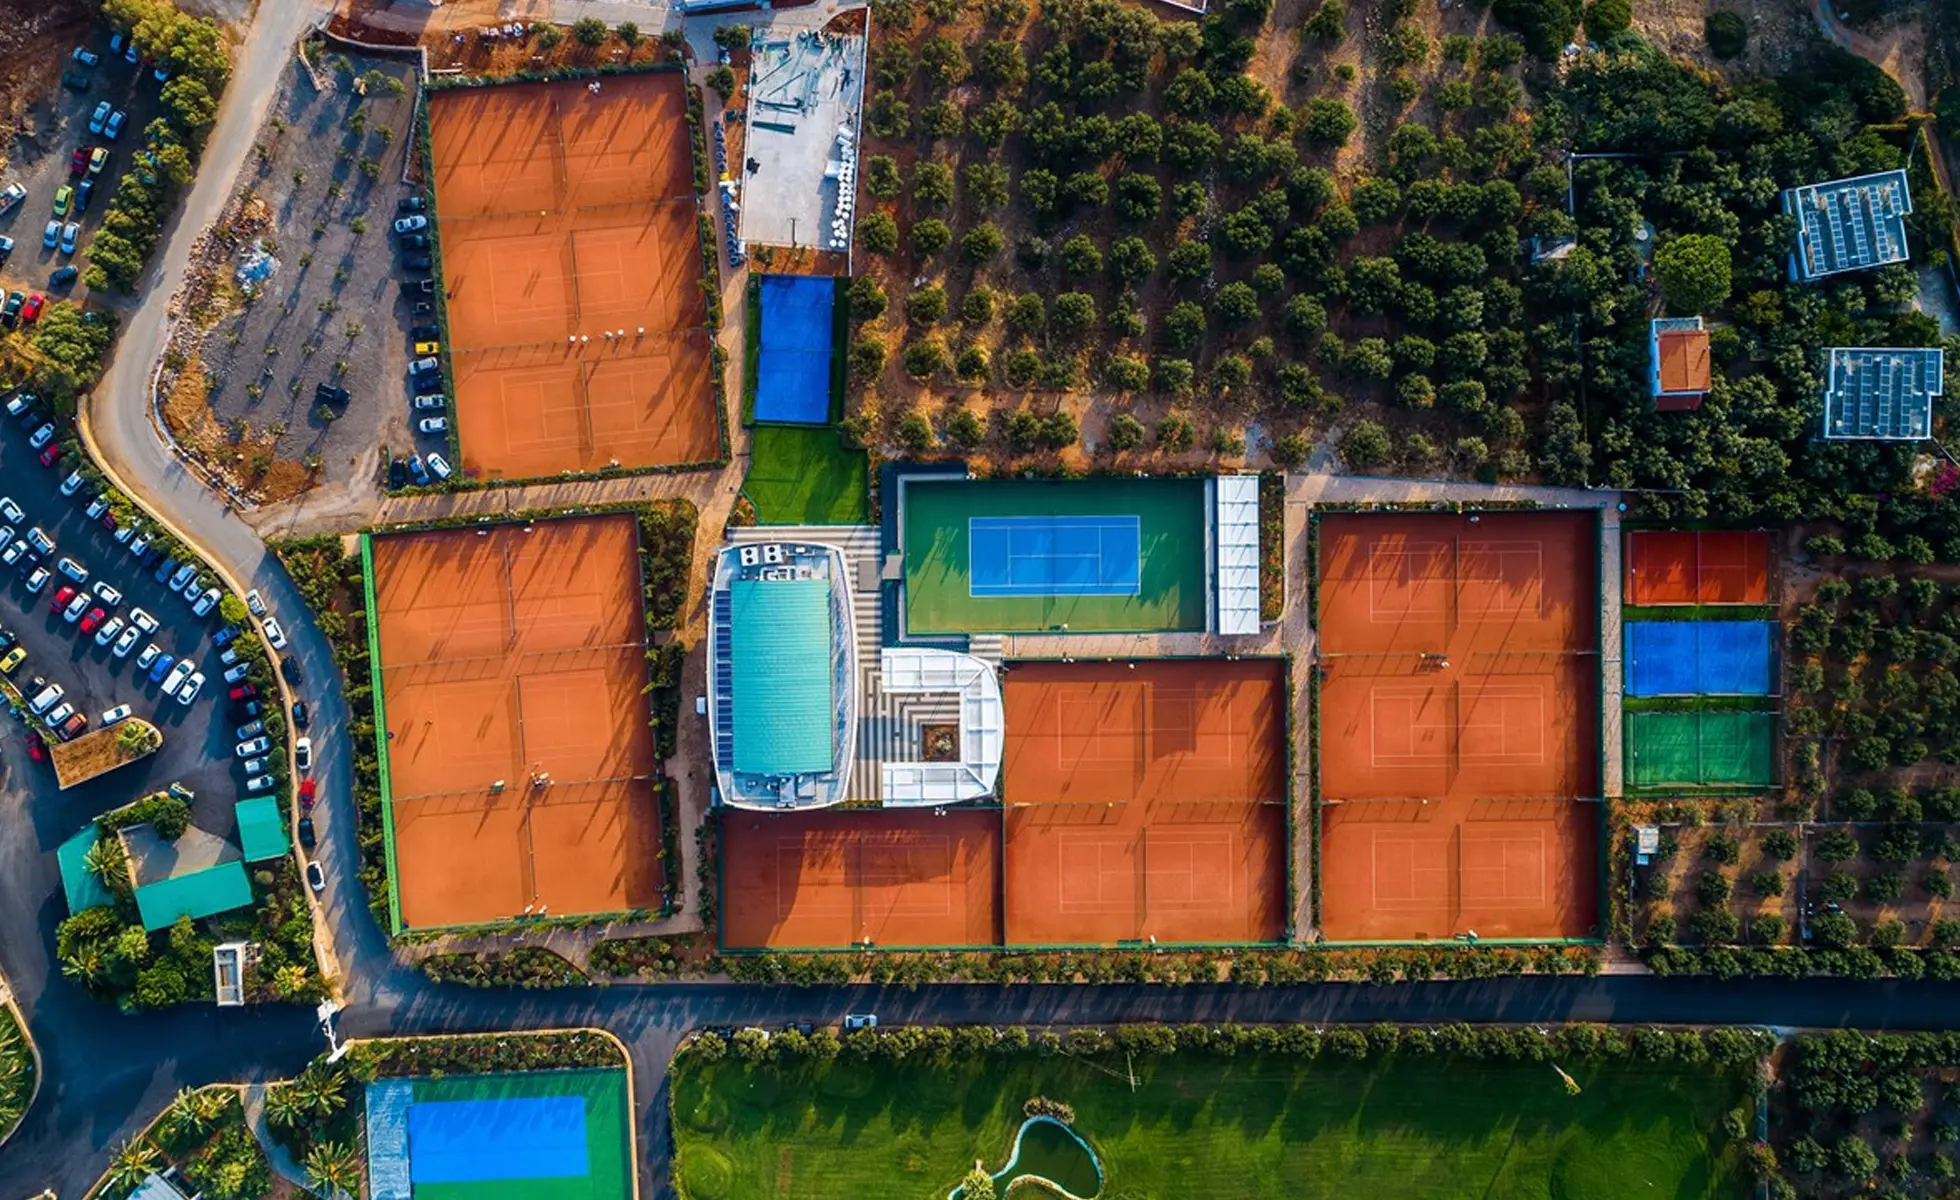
<point x="805" y="476"/>
<point x="1246" y="1128"/>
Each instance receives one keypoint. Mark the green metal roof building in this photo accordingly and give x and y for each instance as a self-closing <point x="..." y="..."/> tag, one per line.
<point x="261" y="829"/>
<point x="784" y="705"/>
<point x="196" y="894"/>
<point x="78" y="883"/>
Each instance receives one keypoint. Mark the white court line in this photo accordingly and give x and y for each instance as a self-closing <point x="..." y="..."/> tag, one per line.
<point x="1404" y="554"/>
<point x="1541" y="896"/>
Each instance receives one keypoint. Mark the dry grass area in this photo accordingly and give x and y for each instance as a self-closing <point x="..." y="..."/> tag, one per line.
<point x="100" y="752"/>
<point x="1779" y="30"/>
<point x="243" y="456"/>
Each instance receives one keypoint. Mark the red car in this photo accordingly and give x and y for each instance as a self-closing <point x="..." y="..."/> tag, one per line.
<point x="32" y="312"/>
<point x="50" y="454"/>
<point x="109" y="521"/>
<point x="244" y="691"/>
<point x="61" y="599"/>
<point x="78" y="165"/>
<point x="306" y="793"/>
<point x="93" y="619"/>
<point x="34" y="750"/>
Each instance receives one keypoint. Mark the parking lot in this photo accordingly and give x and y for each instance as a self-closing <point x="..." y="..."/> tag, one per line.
<point x="332" y="310"/>
<point x="40" y="158"/>
<point x="198" y="738"/>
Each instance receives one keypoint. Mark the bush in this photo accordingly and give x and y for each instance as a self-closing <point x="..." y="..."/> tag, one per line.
<point x="924" y="358"/>
<point x="867" y="299"/>
<point x="1694" y="272"/>
<point x="1727" y="34"/>
<point x="1605" y="18"/>
<point x="1366" y="445"/>
<point x="982" y="243"/>
<point x="1290" y="450"/>
<point x="927" y="306"/>
<point x="930" y="236"/>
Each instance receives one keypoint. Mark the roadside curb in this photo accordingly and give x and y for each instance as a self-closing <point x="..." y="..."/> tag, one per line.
<point x="40" y="1068"/>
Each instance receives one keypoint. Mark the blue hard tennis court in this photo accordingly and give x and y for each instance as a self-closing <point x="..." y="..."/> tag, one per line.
<point x="535" y="1135"/>
<point x="1699" y="658"/>
<point x="1055" y="556"/>
<point x="792" y="383"/>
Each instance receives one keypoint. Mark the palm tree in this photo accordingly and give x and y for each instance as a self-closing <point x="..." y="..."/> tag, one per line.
<point x="211" y="1104"/>
<point x="132" y="1163"/>
<point x="285" y="1108"/>
<point x="333" y="1170"/>
<point x="107" y="860"/>
<point x="319" y="1092"/>
<point x="84" y="965"/>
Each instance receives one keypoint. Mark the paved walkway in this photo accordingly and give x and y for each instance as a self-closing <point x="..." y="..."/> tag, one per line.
<point x="275" y="1151"/>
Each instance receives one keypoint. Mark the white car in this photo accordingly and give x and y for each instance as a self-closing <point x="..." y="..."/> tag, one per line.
<point x="303" y="754"/>
<point x="108" y="595"/>
<point x="433" y="424"/>
<point x="254" y="765"/>
<point x="42" y="436"/>
<point x="72" y="569"/>
<point x="255" y="746"/>
<point x="141" y="544"/>
<point x="175" y="679"/>
<point x="111" y="628"/>
<point x="41" y="542"/>
<point x="142" y="619"/>
<point x="127" y="641"/>
<point x="411" y="223"/>
<point x="259" y="783"/>
<point x="432" y="402"/>
<point x="77" y="607"/>
<point x="118" y="713"/>
<point x="275" y="635"/>
<point x="97" y="507"/>
<point x="206" y="602"/>
<point x="192" y="686"/>
<point x="11" y="511"/>
<point x="194" y="588"/>
<point x="238" y="672"/>
<point x="46" y="699"/>
<point x="72" y="484"/>
<point x="255" y="603"/>
<point x="124" y="532"/>
<point x="61" y="713"/>
<point x="439" y="465"/>
<point x="421" y="366"/>
<point x="11" y="554"/>
<point x="148" y="656"/>
<point x="184" y="575"/>
<point x="38" y="581"/>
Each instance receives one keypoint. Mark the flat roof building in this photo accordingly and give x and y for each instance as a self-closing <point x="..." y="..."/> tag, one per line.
<point x="1848" y="224"/>
<point x="1679" y="367"/>
<point x="1882" y="393"/>
<point x="783" y="684"/>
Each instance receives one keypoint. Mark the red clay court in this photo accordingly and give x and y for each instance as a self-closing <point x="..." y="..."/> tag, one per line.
<point x="568" y="214"/>
<point x="1459" y="725"/>
<point x="898" y="877"/>
<point x="1686" y="567"/>
<point x="1145" y="799"/>
<point x="504" y="655"/>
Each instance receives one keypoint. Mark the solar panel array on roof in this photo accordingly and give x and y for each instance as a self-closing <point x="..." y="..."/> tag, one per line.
<point x="1883" y="392"/>
<point x="1849" y="224"/>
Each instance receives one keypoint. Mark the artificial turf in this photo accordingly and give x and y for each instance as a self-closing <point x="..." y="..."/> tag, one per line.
<point x="938" y="572"/>
<point x="1244" y="1128"/>
<point x="803" y="475"/>
<point x="609" y="1165"/>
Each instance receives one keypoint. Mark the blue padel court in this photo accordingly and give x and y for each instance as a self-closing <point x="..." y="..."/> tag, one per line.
<point x="792" y="383"/>
<point x="1056" y="556"/>
<point x="1699" y="658"/>
<point x="538" y="1135"/>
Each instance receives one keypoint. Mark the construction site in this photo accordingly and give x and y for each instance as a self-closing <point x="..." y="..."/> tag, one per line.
<point x="800" y="154"/>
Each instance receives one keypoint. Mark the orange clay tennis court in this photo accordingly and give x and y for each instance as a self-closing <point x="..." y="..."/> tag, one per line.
<point x="565" y="216"/>
<point x="1459" y="725"/>
<point x="511" y="666"/>
<point x="831" y="879"/>
<point x="1145" y="800"/>
<point x="1686" y="567"/>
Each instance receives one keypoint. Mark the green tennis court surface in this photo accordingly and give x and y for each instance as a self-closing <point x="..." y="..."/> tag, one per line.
<point x="1701" y="749"/>
<point x="1168" y="588"/>
<point x="605" y="1171"/>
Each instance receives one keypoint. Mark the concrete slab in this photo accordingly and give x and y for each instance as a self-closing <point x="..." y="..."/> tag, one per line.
<point x="804" y="87"/>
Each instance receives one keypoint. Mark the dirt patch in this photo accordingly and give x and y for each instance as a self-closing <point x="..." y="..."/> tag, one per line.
<point x="35" y="38"/>
<point x="245" y="458"/>
<point x="102" y="751"/>
<point x="1779" y="32"/>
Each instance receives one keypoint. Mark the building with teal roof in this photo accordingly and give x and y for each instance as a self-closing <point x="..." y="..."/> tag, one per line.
<point x="783" y="688"/>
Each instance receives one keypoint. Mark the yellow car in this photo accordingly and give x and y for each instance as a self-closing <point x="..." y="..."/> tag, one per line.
<point x="428" y="347"/>
<point x="12" y="660"/>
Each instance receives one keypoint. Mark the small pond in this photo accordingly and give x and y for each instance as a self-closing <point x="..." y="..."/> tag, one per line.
<point x="1048" y="1150"/>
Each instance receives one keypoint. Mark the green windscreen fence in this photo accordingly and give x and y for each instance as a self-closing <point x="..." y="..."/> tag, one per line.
<point x="1701" y="749"/>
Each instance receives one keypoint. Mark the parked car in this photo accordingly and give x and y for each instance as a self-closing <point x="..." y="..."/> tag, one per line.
<point x="289" y="667"/>
<point x="431" y="401"/>
<point x="225" y="637"/>
<point x="36" y="748"/>
<point x="429" y="347"/>
<point x="72" y="569"/>
<point x="331" y="394"/>
<point x="72" y="484"/>
<point x="118" y="713"/>
<point x="438" y="465"/>
<point x="71" y="727"/>
<point x="237" y="673"/>
<point x="860" y="1021"/>
<point x="300" y="719"/>
<point x="409" y="204"/>
<point x="161" y="668"/>
<point x="38" y="580"/>
<point x="414" y="241"/>
<point x="275" y="635"/>
<point x="38" y="539"/>
<point x="113" y="127"/>
<point x="12" y="660"/>
<point x="61" y="599"/>
<point x="127" y="641"/>
<point x="45" y="699"/>
<point x="175" y="679"/>
<point x="251" y="746"/>
<point x="206" y="602"/>
<point x="45" y="433"/>
<point x="139" y="545"/>
<point x="418" y="262"/>
<point x="250" y="729"/>
<point x="307" y="790"/>
<point x="96" y="507"/>
<point x="64" y="276"/>
<point x="110" y="631"/>
<point x="98" y="159"/>
<point x="148" y="656"/>
<point x="31" y="311"/>
<point x="94" y="618"/>
<point x="306" y="834"/>
<point x="74" y="80"/>
<point x="164" y="569"/>
<point x="12" y="511"/>
<point x="64" y="197"/>
<point x="303" y="753"/>
<point x="51" y="235"/>
<point x="49" y="455"/>
<point x="255" y="603"/>
<point x="100" y="117"/>
<point x="10" y="311"/>
<point x="77" y="605"/>
<point x="424" y="366"/>
<point x="417" y="470"/>
<point x="316" y="875"/>
<point x="86" y="57"/>
<point x="184" y="575"/>
<point x="412" y="223"/>
<point x="191" y="688"/>
<point x="108" y="595"/>
<point x="433" y="425"/>
<point x="259" y="783"/>
<point x="11" y="195"/>
<point x="78" y="162"/>
<point x="84" y="192"/>
<point x="59" y="713"/>
<point x="69" y="233"/>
